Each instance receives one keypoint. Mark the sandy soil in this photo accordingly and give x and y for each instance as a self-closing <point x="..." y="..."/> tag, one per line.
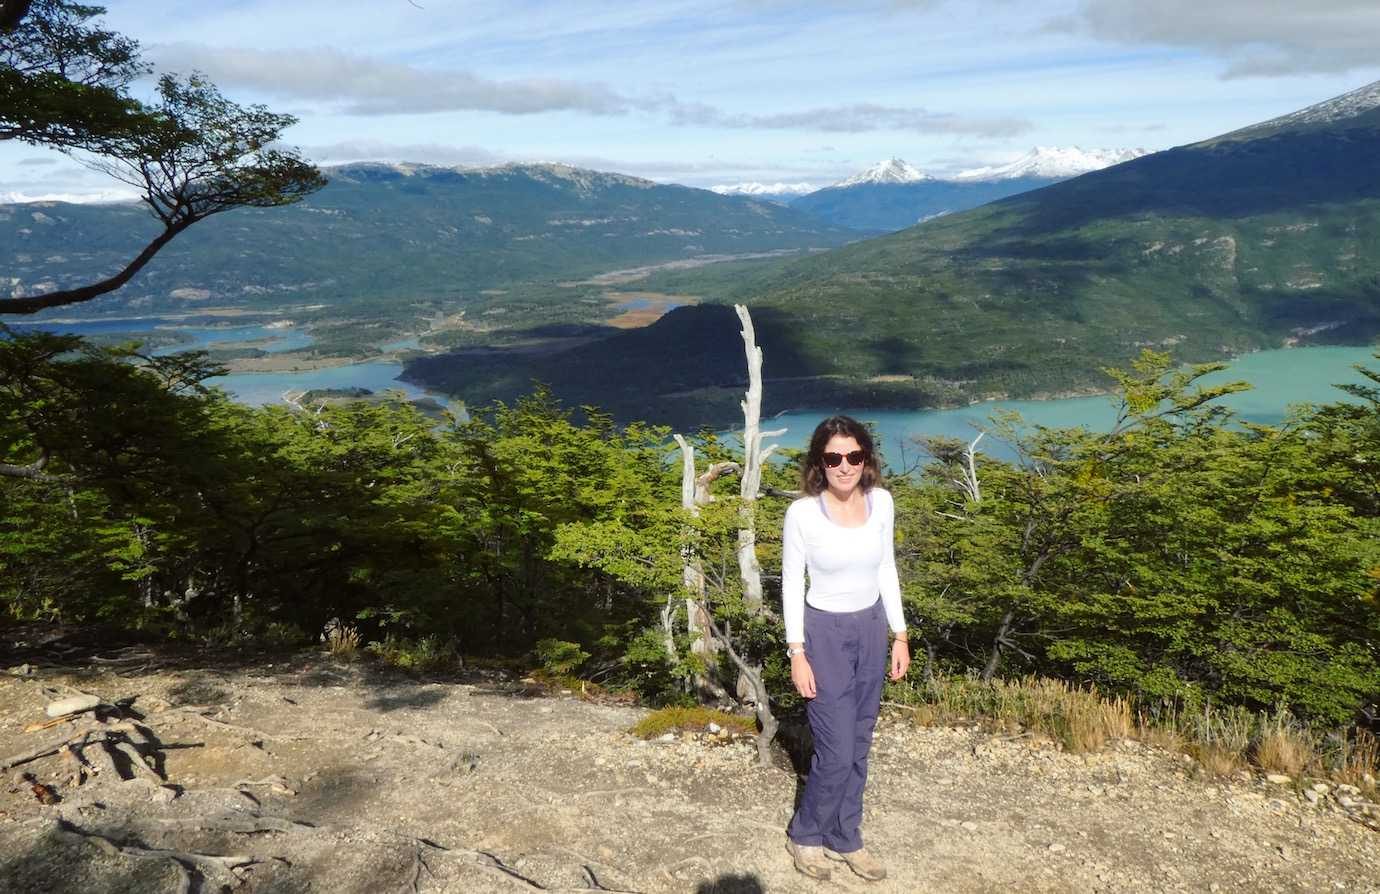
<point x="350" y="778"/>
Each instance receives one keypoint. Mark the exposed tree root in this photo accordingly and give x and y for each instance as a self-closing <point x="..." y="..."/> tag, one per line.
<point x="203" y="865"/>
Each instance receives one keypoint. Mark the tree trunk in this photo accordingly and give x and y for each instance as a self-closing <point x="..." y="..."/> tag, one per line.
<point x="694" y="493"/>
<point x="994" y="657"/>
<point x="749" y="569"/>
<point x="35" y="303"/>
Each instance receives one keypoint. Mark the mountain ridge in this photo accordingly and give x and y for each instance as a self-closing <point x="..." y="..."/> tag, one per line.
<point x="1207" y="250"/>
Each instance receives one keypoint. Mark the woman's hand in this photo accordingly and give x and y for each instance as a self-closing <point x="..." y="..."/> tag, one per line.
<point x="802" y="675"/>
<point x="900" y="659"/>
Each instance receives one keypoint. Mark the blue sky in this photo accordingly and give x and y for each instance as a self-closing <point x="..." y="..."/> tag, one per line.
<point x="711" y="92"/>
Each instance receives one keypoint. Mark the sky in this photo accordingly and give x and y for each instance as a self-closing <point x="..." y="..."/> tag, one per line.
<point x="706" y="93"/>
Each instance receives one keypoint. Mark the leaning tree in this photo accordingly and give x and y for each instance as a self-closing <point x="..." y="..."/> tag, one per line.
<point x="191" y="153"/>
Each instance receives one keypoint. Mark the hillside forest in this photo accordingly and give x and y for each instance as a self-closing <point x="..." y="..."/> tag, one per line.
<point x="1183" y="559"/>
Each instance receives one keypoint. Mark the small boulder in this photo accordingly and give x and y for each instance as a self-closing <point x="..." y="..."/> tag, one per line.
<point x="73" y="704"/>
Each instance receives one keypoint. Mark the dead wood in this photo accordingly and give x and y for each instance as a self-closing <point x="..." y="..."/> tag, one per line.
<point x="45" y="750"/>
<point x="137" y="764"/>
<point x="98" y="757"/>
<point x="49" y="724"/>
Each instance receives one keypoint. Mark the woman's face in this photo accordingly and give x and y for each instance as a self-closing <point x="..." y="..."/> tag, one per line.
<point x="844" y="477"/>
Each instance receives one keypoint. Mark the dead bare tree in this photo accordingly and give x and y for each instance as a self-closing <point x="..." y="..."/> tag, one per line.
<point x="754" y="455"/>
<point x="751" y="685"/>
<point x="694" y="493"/>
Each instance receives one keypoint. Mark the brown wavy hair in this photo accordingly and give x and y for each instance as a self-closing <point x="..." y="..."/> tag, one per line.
<point x="812" y="480"/>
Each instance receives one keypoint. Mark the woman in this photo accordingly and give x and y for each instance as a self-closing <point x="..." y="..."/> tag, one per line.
<point x="836" y="635"/>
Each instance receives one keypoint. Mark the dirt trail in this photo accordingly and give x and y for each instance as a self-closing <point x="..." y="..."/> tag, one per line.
<point x="390" y="784"/>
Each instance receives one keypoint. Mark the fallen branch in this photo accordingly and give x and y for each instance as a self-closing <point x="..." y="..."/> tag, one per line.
<point x="136" y="763"/>
<point x="49" y="724"/>
<point x="50" y="749"/>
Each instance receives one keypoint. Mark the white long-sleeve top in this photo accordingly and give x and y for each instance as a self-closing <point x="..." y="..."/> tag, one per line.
<point x="848" y="567"/>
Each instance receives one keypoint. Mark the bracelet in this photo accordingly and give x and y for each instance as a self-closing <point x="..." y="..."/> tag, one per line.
<point x="901" y="638"/>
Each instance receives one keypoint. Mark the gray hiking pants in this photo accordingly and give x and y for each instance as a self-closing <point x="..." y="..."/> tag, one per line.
<point x="848" y="654"/>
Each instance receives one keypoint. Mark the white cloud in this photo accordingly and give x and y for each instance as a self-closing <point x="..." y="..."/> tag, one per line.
<point x="1255" y="37"/>
<point x="379" y="150"/>
<point x="36" y="162"/>
<point x="854" y="118"/>
<point x="368" y="86"/>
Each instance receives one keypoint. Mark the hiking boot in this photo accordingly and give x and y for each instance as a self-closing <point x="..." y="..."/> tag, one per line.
<point x="809" y="860"/>
<point x="861" y="862"/>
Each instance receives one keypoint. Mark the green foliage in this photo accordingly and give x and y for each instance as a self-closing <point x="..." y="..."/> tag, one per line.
<point x="193" y="153"/>
<point x="428" y="654"/>
<point x="1180" y="558"/>
<point x="560" y="658"/>
<point x="691" y="719"/>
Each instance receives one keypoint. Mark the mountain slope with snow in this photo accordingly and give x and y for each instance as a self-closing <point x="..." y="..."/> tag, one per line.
<point x="893" y="170"/>
<point x="892" y="195"/>
<point x="1358" y="108"/>
<point x="1053" y="163"/>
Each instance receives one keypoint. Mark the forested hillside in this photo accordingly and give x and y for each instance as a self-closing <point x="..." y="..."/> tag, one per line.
<point x="1266" y="237"/>
<point x="1179" y="557"/>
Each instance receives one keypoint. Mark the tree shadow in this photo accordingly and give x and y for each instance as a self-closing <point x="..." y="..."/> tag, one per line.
<point x="420" y="698"/>
<point x="744" y="883"/>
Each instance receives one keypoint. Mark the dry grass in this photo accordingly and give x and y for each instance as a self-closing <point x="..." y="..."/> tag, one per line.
<point x="1356" y="760"/>
<point x="1224" y="741"/>
<point x="343" y="642"/>
<point x="1284" y="747"/>
<point x="1218" y="760"/>
<point x="1166" y="737"/>
<point x="1078" y="719"/>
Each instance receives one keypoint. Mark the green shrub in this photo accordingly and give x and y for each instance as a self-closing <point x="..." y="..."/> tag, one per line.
<point x="430" y="653"/>
<point x="560" y="658"/>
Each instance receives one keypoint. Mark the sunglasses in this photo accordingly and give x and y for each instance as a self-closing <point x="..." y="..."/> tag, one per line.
<point x="854" y="457"/>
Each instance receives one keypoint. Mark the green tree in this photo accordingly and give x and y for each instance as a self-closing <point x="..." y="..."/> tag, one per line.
<point x="192" y="154"/>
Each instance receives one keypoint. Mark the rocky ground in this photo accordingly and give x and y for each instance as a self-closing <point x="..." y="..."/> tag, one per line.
<point x="306" y="774"/>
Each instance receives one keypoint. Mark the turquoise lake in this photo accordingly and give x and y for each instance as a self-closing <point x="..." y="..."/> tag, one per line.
<point x="1280" y="378"/>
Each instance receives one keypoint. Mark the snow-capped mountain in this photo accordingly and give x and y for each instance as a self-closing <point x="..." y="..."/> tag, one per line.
<point x="891" y="171"/>
<point x="1329" y="112"/>
<point x="1052" y="162"/>
<point x="763" y="189"/>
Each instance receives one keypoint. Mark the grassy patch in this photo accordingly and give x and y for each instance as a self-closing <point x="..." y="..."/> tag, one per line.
<point x="430" y="653"/>
<point x="1224" y="741"/>
<point x="697" y="719"/>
